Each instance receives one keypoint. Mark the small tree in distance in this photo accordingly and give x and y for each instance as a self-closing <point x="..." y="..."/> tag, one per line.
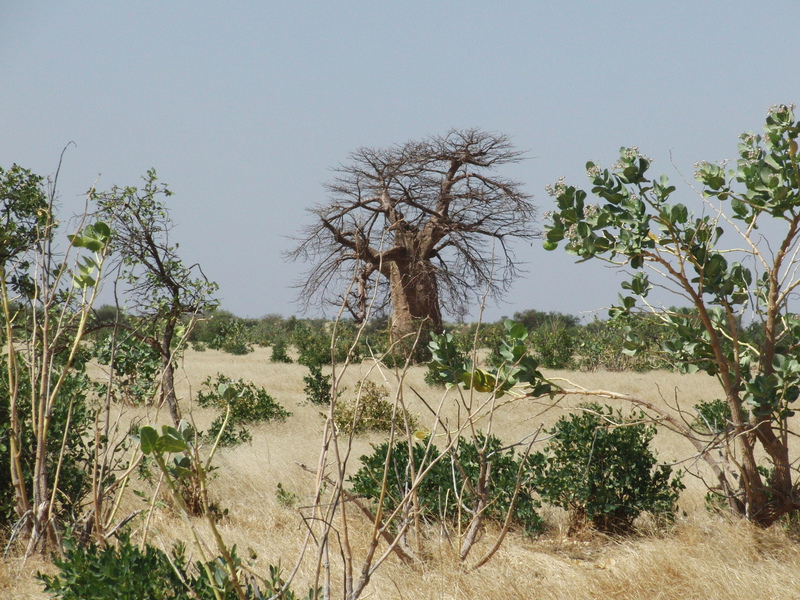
<point x="160" y="287"/>
<point x="418" y="227"/>
<point x="637" y="226"/>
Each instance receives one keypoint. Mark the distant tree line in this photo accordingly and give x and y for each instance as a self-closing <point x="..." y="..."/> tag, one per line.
<point x="558" y="340"/>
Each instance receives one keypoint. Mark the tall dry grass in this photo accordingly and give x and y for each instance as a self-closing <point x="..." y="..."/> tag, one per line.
<point x="702" y="556"/>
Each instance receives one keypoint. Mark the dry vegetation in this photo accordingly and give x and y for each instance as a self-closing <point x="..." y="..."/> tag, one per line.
<point x="702" y="556"/>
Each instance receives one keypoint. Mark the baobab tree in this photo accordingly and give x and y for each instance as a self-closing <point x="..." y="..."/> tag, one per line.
<point x="419" y="227"/>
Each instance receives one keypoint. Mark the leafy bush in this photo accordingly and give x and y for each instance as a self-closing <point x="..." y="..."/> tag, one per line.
<point x="432" y="378"/>
<point x="448" y="491"/>
<point x="121" y="573"/>
<point x="125" y="572"/>
<point x="431" y="492"/>
<point x="313" y="344"/>
<point x="482" y="335"/>
<point x="554" y="345"/>
<point x="279" y="352"/>
<point x="70" y="416"/>
<point x="233" y="339"/>
<point x="103" y="320"/>
<point x="211" y="325"/>
<point x="318" y="386"/>
<point x="712" y="416"/>
<point x="503" y="470"/>
<point x="135" y="364"/>
<point x="269" y="329"/>
<point x="492" y="337"/>
<point x="222" y="330"/>
<point x="370" y="410"/>
<point x="517" y="369"/>
<point x="410" y="348"/>
<point x="535" y="319"/>
<point x="249" y="404"/>
<point x="598" y="466"/>
<point x="603" y="345"/>
<point x="552" y="335"/>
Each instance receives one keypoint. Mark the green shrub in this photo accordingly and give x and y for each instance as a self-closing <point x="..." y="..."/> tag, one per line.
<point x="103" y="320"/>
<point x="124" y="572"/>
<point x="603" y="345"/>
<point x="211" y="325"/>
<point x="713" y="416"/>
<point x="249" y="405"/>
<point x="554" y="346"/>
<point x="222" y="330"/>
<point x="317" y="386"/>
<point x="70" y="416"/>
<point x="432" y="491"/>
<point x="409" y="349"/>
<point x="535" y="319"/>
<point x="233" y="339"/>
<point x="600" y="347"/>
<point x="432" y="377"/>
<point x="313" y="344"/>
<point x="369" y="410"/>
<point x="448" y="492"/>
<point x="503" y="472"/>
<point x="269" y="329"/>
<point x="120" y="573"/>
<point x="598" y="466"/>
<point x="279" y="352"/>
<point x="136" y="366"/>
<point x="551" y="335"/>
<point x="491" y="336"/>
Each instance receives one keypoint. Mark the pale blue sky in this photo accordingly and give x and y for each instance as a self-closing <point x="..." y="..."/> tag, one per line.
<point x="244" y="107"/>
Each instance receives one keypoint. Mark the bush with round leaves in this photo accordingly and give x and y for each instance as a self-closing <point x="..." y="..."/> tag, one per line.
<point x="126" y="572"/>
<point x="599" y="467"/>
<point x="249" y="404"/>
<point x="477" y="474"/>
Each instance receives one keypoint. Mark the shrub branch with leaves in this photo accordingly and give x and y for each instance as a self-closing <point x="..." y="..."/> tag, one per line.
<point x="598" y="467"/>
<point x="243" y="404"/>
<point x="637" y="225"/>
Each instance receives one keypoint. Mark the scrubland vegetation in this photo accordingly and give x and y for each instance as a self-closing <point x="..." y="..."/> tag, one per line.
<point x="703" y="554"/>
<point x="164" y="448"/>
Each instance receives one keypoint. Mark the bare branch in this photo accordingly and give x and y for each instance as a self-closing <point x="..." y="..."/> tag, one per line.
<point x="427" y="215"/>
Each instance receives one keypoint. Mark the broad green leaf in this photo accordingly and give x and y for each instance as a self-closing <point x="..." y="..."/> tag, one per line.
<point x="148" y="437"/>
<point x="171" y="440"/>
<point x="169" y="444"/>
<point x="102" y="229"/>
<point x="226" y="392"/>
<point x="517" y="331"/>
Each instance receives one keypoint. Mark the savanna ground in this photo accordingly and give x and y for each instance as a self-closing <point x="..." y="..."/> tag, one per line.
<point x="703" y="555"/>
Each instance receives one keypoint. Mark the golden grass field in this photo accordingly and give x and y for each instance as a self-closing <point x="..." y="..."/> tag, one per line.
<point x="702" y="556"/>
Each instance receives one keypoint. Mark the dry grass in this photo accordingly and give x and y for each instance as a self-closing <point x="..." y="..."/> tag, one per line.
<point x="703" y="556"/>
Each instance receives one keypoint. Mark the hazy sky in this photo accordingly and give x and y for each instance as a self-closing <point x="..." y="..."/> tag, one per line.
<point x="244" y="108"/>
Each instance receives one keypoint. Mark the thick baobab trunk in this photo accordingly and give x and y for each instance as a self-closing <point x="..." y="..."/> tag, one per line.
<point x="415" y="299"/>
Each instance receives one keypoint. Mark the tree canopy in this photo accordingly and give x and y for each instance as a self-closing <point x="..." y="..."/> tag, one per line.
<point x="417" y="227"/>
<point x="636" y="225"/>
<point x="159" y="286"/>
